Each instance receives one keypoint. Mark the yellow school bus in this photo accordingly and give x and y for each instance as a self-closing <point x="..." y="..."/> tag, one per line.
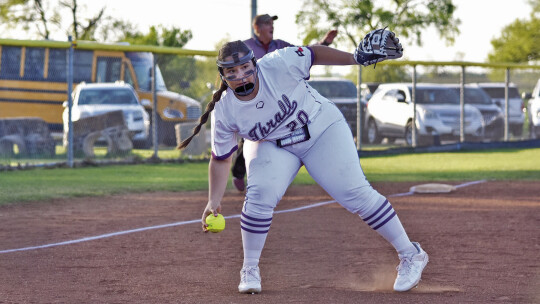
<point x="33" y="82"/>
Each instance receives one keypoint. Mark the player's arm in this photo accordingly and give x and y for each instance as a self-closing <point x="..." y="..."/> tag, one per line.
<point x="218" y="175"/>
<point x="324" y="55"/>
<point x="377" y="46"/>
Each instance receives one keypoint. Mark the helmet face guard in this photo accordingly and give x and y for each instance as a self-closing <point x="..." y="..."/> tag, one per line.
<point x="247" y="87"/>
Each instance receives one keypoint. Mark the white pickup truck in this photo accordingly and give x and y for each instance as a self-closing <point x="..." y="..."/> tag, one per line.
<point x="533" y="110"/>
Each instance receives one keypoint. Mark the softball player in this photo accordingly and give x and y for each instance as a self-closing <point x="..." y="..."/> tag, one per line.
<point x="261" y="44"/>
<point x="287" y="124"/>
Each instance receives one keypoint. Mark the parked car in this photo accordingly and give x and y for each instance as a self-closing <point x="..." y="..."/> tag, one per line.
<point x="343" y="93"/>
<point x="367" y="89"/>
<point x="390" y="114"/>
<point x="516" y="108"/>
<point x="492" y="115"/>
<point x="98" y="98"/>
<point x="533" y="112"/>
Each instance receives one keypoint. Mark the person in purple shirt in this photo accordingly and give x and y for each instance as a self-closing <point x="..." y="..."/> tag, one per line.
<point x="262" y="44"/>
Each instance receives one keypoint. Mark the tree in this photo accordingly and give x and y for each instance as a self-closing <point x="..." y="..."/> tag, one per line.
<point x="29" y="16"/>
<point x="535" y="4"/>
<point x="157" y="35"/>
<point x="187" y="75"/>
<point x="41" y="18"/>
<point x="355" y="18"/>
<point x="519" y="41"/>
<point x="78" y="30"/>
<point x="178" y="71"/>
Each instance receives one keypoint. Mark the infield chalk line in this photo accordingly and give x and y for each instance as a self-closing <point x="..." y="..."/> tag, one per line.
<point x="108" y="235"/>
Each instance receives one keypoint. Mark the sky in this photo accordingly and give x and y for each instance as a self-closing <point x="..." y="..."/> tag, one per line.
<point x="212" y="20"/>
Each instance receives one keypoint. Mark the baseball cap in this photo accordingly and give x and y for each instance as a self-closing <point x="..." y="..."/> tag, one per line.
<point x="263" y="19"/>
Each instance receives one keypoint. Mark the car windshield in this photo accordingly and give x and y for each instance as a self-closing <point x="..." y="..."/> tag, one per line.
<point x="436" y="96"/>
<point x="499" y="92"/>
<point x="334" y="89"/>
<point x="107" y="96"/>
<point x="475" y="96"/>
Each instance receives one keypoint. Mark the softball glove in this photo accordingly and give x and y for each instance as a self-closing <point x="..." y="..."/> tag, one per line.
<point x="377" y="46"/>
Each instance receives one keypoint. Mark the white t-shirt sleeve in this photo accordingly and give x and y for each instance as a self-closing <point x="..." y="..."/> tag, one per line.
<point x="223" y="138"/>
<point x="297" y="59"/>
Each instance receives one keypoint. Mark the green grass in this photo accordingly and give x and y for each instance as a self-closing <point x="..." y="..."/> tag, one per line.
<point x="505" y="164"/>
<point x="43" y="184"/>
<point x="99" y="151"/>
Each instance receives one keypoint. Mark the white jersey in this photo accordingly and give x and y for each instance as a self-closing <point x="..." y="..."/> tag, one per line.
<point x="284" y="102"/>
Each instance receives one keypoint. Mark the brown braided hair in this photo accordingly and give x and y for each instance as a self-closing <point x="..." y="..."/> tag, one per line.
<point x="227" y="50"/>
<point x="204" y="117"/>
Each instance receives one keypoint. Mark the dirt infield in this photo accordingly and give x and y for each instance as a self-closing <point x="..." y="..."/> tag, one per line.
<point x="483" y="241"/>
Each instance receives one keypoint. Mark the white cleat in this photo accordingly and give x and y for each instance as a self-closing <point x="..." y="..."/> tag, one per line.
<point x="250" y="280"/>
<point x="410" y="269"/>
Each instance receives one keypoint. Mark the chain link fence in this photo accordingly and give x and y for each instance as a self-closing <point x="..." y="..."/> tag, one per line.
<point x="450" y="103"/>
<point x="74" y="102"/>
<point x="67" y="103"/>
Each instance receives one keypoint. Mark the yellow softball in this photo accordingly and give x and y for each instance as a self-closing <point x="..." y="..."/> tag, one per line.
<point x="215" y="223"/>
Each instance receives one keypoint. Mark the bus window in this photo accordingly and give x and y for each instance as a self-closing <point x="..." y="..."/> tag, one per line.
<point x="108" y="69"/>
<point x="82" y="66"/>
<point x="11" y="62"/>
<point x="34" y="63"/>
<point x="57" y="65"/>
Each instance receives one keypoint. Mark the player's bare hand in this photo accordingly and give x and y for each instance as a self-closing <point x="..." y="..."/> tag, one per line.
<point x="209" y="210"/>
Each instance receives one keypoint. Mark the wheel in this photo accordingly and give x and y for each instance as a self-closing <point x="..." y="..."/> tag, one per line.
<point x="408" y="133"/>
<point x="421" y="140"/>
<point x="373" y="135"/>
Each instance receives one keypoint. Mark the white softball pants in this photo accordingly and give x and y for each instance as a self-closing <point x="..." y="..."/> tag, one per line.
<point x="330" y="157"/>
